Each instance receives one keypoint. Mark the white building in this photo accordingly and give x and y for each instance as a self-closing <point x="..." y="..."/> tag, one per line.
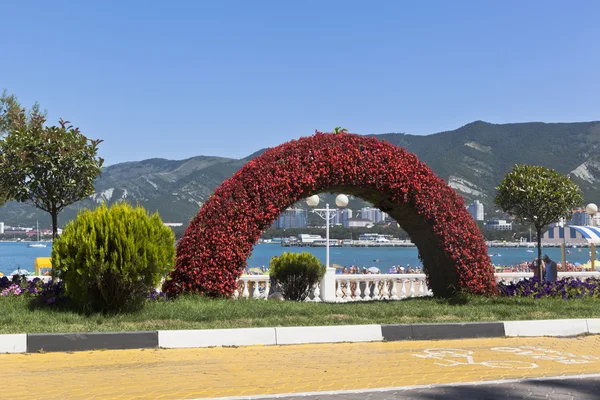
<point x="372" y="214"/>
<point x="358" y="223"/>
<point x="341" y="216"/>
<point x="476" y="210"/>
<point x="306" y="238"/>
<point x="556" y="234"/>
<point x="582" y="218"/>
<point x="498" y="225"/>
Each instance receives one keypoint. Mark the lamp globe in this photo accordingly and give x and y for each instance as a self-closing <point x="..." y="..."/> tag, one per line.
<point x="591" y="209"/>
<point x="341" y="201"/>
<point x="313" y="201"/>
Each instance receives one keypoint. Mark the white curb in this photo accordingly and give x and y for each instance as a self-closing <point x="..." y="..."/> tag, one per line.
<point x="14" y="343"/>
<point x="593" y="325"/>
<point x="216" y="337"/>
<point x="556" y="327"/>
<point x="329" y="334"/>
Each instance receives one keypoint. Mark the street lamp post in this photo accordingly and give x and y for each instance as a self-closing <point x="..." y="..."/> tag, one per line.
<point x="563" y="226"/>
<point x="592" y="210"/>
<point x="328" y="283"/>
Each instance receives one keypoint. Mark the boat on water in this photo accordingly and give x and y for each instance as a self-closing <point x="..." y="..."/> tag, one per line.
<point x="37" y="245"/>
<point x="529" y="251"/>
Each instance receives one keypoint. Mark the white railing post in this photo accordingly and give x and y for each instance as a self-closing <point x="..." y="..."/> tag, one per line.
<point x="255" y="292"/>
<point x="328" y="286"/>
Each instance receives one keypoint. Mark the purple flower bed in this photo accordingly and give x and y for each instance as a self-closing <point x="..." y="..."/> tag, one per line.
<point x="45" y="293"/>
<point x="567" y="288"/>
<point x="50" y="292"/>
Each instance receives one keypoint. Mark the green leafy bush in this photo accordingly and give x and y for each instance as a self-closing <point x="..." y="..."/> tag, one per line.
<point x="111" y="258"/>
<point x="296" y="273"/>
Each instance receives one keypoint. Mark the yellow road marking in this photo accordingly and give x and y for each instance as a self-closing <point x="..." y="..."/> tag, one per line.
<point x="259" y="370"/>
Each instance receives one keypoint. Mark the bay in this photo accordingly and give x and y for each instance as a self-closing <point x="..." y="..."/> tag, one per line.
<point x="15" y="255"/>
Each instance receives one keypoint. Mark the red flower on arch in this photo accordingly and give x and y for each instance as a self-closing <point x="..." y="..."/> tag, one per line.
<point x="213" y="251"/>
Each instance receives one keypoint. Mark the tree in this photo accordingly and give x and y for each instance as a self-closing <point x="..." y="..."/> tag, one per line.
<point x="538" y="196"/>
<point x="339" y="129"/>
<point x="48" y="166"/>
<point x="10" y="108"/>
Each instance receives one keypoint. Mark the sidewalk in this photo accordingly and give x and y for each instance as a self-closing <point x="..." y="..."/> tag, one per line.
<point x="292" y="369"/>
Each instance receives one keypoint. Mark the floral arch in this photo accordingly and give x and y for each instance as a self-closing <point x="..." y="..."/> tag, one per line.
<point x="212" y="253"/>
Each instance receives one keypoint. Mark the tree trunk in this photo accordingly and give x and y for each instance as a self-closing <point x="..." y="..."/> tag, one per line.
<point x="539" y="260"/>
<point x="54" y="214"/>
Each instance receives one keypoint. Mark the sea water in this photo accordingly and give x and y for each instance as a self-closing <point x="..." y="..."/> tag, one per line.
<point x="15" y="255"/>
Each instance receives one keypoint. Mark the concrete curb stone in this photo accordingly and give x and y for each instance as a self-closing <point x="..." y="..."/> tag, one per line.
<point x="30" y="343"/>
<point x="91" y="341"/>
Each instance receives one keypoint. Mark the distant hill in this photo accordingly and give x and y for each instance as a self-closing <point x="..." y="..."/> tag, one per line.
<point x="472" y="159"/>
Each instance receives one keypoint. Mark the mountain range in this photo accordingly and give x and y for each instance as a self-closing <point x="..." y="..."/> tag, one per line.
<point x="472" y="159"/>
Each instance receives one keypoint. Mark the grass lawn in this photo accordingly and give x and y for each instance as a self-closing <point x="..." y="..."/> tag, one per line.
<point x="193" y="312"/>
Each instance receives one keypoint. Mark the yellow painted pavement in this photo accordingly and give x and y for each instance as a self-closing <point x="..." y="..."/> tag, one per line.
<point x="256" y="370"/>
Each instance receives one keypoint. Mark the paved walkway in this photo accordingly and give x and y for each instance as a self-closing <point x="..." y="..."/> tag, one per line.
<point x="271" y="370"/>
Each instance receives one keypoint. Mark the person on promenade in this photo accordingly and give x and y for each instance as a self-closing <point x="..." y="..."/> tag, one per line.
<point x="551" y="269"/>
<point x="535" y="268"/>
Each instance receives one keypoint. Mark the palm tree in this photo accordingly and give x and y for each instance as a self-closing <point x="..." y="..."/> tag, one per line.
<point x="339" y="129"/>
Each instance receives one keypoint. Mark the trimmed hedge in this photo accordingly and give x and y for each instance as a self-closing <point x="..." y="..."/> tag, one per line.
<point x="111" y="258"/>
<point x="296" y="273"/>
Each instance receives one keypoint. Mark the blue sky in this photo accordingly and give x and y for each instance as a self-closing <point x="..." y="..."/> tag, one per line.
<point x="184" y="78"/>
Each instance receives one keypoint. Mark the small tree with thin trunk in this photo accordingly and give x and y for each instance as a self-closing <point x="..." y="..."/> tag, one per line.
<point x="538" y="196"/>
<point x="50" y="167"/>
<point x="9" y="109"/>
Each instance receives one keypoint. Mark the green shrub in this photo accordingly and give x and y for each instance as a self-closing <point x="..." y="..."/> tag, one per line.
<point x="111" y="258"/>
<point x="296" y="273"/>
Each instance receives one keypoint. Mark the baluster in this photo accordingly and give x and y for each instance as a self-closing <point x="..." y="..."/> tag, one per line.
<point x="255" y="292"/>
<point x="403" y="288"/>
<point x="245" y="293"/>
<point x="385" y="291"/>
<point x="394" y="291"/>
<point x="421" y="287"/>
<point x="267" y="289"/>
<point x="339" y="294"/>
<point x="367" y="290"/>
<point x="357" y="292"/>
<point x="349" y="296"/>
<point x="236" y="292"/>
<point x="412" y="288"/>
<point x="317" y="293"/>
<point x="376" y="289"/>
<point x="428" y="291"/>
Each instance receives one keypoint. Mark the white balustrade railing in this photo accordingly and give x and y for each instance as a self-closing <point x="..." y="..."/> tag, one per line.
<point x="258" y="287"/>
<point x="366" y="287"/>
<point x="253" y="287"/>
